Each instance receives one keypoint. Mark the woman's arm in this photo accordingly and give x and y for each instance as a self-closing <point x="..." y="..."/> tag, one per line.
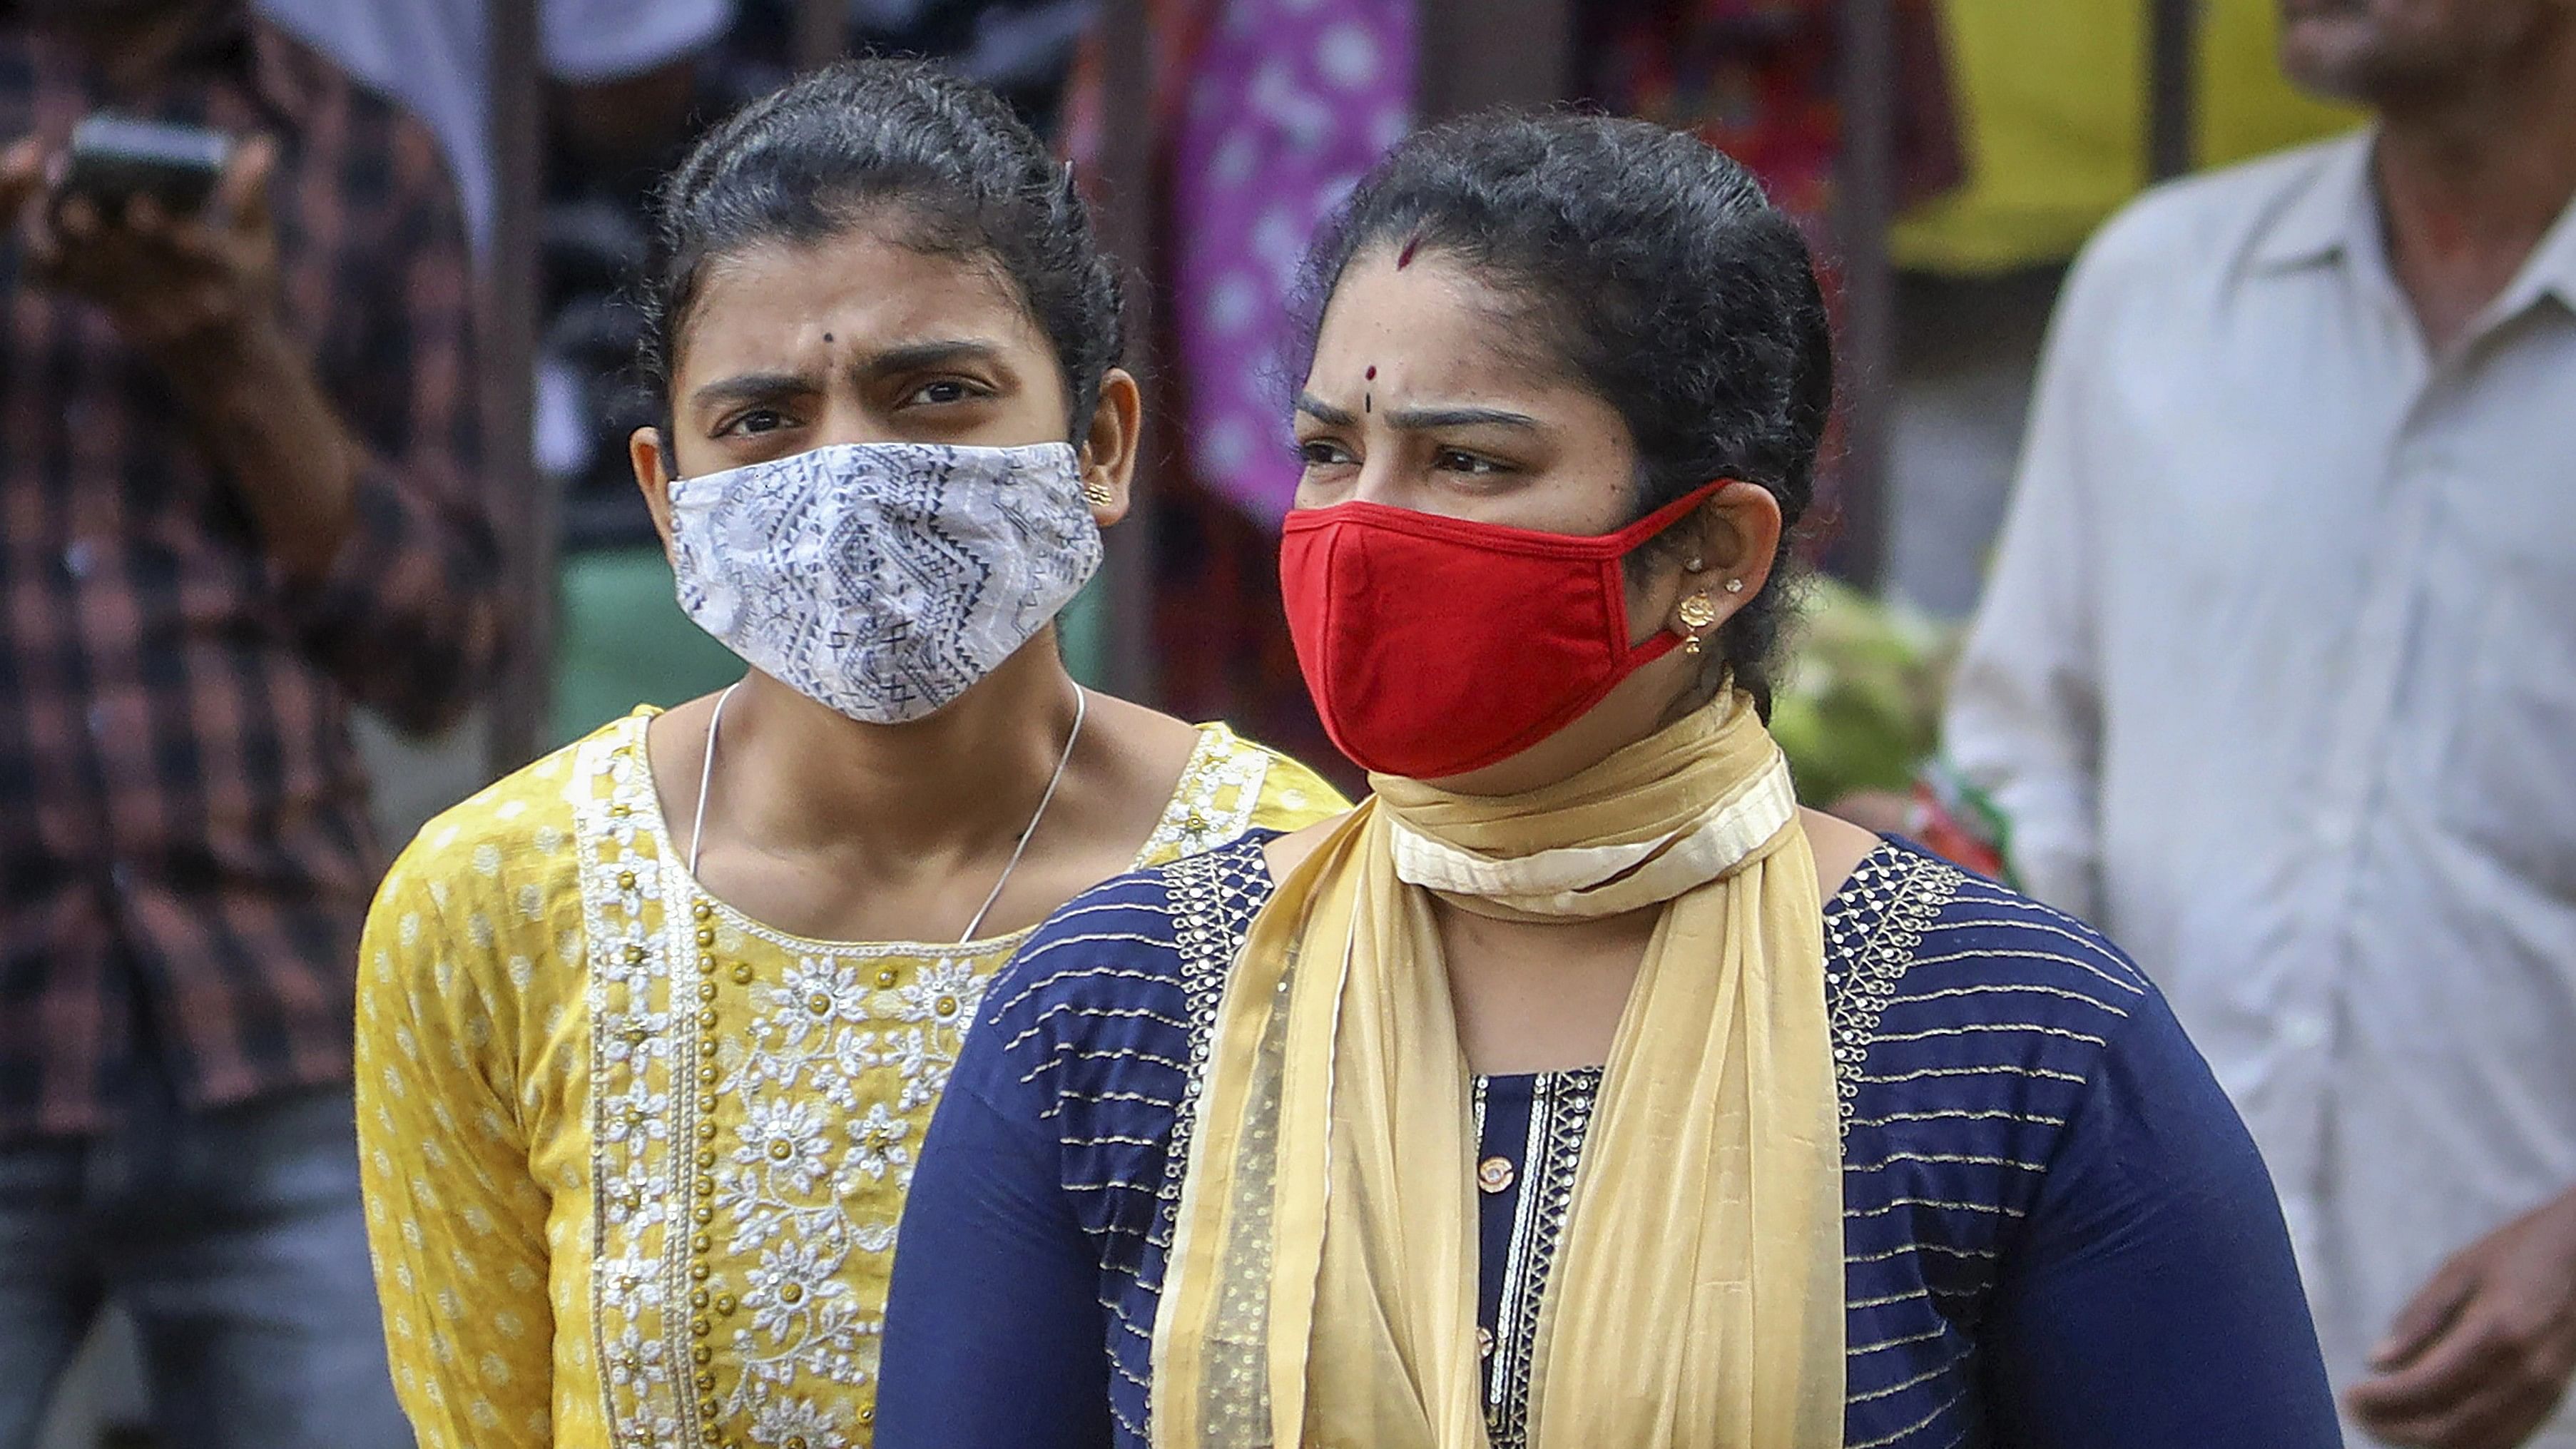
<point x="2152" y="1300"/>
<point x="455" y="1220"/>
<point x="994" y="1335"/>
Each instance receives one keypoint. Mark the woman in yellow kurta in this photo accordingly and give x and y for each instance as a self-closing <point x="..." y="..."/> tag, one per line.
<point x="649" y="1031"/>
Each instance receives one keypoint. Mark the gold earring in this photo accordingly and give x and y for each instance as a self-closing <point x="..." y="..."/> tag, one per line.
<point x="1735" y="586"/>
<point x="1696" y="613"/>
<point x="1098" y="495"/>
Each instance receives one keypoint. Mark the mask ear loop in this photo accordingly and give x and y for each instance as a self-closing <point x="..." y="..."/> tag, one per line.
<point x="1698" y="611"/>
<point x="1654" y="525"/>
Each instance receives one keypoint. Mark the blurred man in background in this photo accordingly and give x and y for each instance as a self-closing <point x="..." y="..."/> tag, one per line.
<point x="620" y="85"/>
<point x="621" y="70"/>
<point x="2276" y="680"/>
<point x="238" y="494"/>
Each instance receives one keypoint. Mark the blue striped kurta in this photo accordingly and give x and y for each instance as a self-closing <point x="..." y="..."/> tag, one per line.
<point x="2056" y="1231"/>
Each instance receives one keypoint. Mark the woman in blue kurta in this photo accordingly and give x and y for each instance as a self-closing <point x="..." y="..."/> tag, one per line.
<point x="1578" y="1088"/>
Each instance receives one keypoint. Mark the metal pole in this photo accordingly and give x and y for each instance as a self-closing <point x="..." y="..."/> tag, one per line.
<point x="508" y="364"/>
<point x="1128" y="195"/>
<point x="1477" y="54"/>
<point x="1865" y="206"/>
<point x="2173" y="88"/>
<point x="822" y="32"/>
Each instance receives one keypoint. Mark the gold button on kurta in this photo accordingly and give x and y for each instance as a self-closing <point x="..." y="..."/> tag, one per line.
<point x="560" y="1090"/>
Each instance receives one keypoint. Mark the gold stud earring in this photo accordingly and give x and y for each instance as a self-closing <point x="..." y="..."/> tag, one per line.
<point x="1098" y="495"/>
<point x="1696" y="613"/>
<point x="1735" y="586"/>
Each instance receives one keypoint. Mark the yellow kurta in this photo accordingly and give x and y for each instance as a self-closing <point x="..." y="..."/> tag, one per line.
<point x="633" y="1160"/>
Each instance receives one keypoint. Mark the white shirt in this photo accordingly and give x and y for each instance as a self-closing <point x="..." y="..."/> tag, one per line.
<point x="431" y="56"/>
<point x="2276" y="680"/>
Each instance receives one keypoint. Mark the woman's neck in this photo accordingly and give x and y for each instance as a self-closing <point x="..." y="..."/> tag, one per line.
<point x="794" y="777"/>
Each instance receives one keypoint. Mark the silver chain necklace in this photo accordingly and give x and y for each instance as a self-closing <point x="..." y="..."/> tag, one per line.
<point x="707" y="775"/>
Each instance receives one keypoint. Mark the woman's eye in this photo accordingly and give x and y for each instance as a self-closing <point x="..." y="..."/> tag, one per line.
<point x="756" y="422"/>
<point x="1452" y="461"/>
<point x="1323" y="453"/>
<point x="946" y="390"/>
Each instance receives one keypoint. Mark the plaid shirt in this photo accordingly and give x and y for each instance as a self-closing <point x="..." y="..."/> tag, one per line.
<point x="185" y="853"/>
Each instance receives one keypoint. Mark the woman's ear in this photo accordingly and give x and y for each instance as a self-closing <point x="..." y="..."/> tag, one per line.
<point x="648" y="450"/>
<point x="1727" y="546"/>
<point x="1108" y="451"/>
<point x="1741" y="525"/>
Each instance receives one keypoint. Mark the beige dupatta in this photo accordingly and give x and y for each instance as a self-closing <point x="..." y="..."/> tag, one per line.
<point x="1322" y="1283"/>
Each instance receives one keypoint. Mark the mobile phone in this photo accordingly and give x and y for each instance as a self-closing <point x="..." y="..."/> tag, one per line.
<point x="114" y="158"/>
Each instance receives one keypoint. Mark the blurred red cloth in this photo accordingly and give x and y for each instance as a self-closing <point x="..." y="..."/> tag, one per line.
<point x="1759" y="79"/>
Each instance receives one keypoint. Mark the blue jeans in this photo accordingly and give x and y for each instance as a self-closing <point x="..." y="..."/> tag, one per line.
<point x="237" y="1241"/>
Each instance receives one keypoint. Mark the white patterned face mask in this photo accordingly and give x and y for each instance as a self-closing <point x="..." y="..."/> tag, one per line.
<point x="883" y="579"/>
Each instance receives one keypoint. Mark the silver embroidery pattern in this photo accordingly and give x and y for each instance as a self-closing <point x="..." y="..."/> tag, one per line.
<point x="884" y="579"/>
<point x="1214" y="899"/>
<point x="1872" y="928"/>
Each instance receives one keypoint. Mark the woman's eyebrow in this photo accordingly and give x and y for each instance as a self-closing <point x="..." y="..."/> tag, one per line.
<point x="751" y="387"/>
<point x="1421" y="419"/>
<point x="1417" y="419"/>
<point x="1324" y="412"/>
<point x="909" y="357"/>
<point x="914" y="356"/>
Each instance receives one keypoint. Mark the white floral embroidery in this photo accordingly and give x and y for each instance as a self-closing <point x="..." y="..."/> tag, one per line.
<point x="944" y="993"/>
<point x="757" y="1104"/>
<point x="784" y="1139"/>
<point x="639" y="1337"/>
<point x="1220" y="790"/>
<point x="834" y="1062"/>
<point x="876" y="1143"/>
<point x="779" y="1420"/>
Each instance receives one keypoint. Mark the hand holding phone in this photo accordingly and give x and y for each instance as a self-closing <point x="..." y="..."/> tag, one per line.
<point x="113" y="159"/>
<point x="181" y="258"/>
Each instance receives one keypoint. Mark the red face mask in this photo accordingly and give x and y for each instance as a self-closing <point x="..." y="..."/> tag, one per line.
<point x="1434" y="646"/>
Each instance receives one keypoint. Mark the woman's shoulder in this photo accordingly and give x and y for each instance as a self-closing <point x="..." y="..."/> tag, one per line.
<point x="1136" y="934"/>
<point x="1965" y="953"/>
<point x="1970" y="1021"/>
<point x="1126" y="975"/>
<point x="1972" y="1028"/>
<point x="520" y="830"/>
<point x="1232" y="785"/>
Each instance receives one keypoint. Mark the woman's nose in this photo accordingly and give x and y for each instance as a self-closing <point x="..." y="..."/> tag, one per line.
<point x="847" y="418"/>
